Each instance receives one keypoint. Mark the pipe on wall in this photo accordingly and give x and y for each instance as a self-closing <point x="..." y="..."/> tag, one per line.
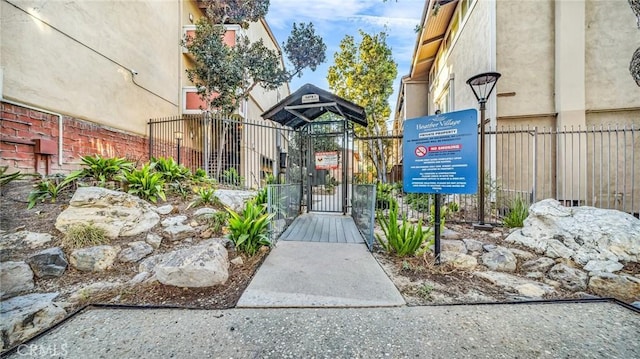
<point x="60" y="125"/>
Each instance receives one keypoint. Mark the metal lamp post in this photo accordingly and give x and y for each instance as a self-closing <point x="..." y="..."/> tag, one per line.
<point x="178" y="136"/>
<point x="482" y="85"/>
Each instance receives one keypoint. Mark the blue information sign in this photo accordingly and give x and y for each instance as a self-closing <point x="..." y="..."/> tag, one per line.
<point x="440" y="153"/>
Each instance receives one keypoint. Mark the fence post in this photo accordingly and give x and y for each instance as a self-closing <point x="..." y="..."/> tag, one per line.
<point x="535" y="165"/>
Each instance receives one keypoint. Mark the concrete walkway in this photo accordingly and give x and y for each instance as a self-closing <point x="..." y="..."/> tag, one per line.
<point x="313" y="274"/>
<point x="576" y="330"/>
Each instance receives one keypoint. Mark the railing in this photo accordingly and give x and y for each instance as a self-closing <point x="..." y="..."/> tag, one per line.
<point x="283" y="201"/>
<point x="597" y="167"/>
<point x="363" y="206"/>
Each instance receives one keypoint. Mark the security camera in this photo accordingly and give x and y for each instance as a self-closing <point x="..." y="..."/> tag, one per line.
<point x="133" y="72"/>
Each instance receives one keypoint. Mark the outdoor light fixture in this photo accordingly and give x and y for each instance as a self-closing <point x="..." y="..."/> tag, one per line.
<point x="178" y="136"/>
<point x="482" y="85"/>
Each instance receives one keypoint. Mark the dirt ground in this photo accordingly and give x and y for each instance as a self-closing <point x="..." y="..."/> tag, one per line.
<point x="419" y="279"/>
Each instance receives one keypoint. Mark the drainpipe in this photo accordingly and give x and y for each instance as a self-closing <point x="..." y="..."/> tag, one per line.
<point x="60" y="137"/>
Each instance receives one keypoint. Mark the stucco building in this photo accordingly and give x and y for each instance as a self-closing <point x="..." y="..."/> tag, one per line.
<point x="85" y="77"/>
<point x="564" y="66"/>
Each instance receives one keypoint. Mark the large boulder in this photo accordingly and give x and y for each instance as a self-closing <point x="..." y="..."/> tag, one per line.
<point x="500" y="259"/>
<point x="175" y="229"/>
<point x="623" y="287"/>
<point x="94" y="259"/>
<point x="234" y="199"/>
<point x="15" y="277"/>
<point x="119" y="214"/>
<point x="48" y="263"/>
<point x="580" y="233"/>
<point x="204" y="265"/>
<point x="21" y="240"/>
<point x="572" y="279"/>
<point x="135" y="251"/>
<point x="526" y="288"/>
<point x="24" y="316"/>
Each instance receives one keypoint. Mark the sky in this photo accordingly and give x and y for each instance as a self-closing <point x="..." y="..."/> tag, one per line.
<point x="334" y="19"/>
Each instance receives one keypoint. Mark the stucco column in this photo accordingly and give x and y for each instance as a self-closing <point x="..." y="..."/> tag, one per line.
<point x="570" y="96"/>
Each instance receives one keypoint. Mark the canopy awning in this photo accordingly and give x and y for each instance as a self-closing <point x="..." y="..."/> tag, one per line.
<point x="310" y="102"/>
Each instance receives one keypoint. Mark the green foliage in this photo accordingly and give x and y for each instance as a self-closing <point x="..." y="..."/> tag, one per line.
<point x="231" y="72"/>
<point x="249" y="230"/>
<point x="5" y="178"/>
<point x="84" y="235"/>
<point x="425" y="290"/>
<point x="200" y="175"/>
<point x="518" y="212"/>
<point x="104" y="169"/>
<point x="171" y="171"/>
<point x="231" y="177"/>
<point x="145" y="183"/>
<point x="262" y="197"/>
<point x="384" y="196"/>
<point x="181" y="188"/>
<point x="49" y="188"/>
<point x="402" y="240"/>
<point x="420" y="202"/>
<point x="206" y="195"/>
<point x="364" y="73"/>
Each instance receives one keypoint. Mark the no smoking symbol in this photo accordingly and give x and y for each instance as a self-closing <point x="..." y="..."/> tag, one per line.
<point x="421" y="151"/>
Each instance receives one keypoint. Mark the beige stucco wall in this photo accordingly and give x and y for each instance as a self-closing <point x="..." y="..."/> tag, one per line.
<point x="416" y="102"/>
<point x="525" y="57"/>
<point x="47" y="69"/>
<point x="611" y="38"/>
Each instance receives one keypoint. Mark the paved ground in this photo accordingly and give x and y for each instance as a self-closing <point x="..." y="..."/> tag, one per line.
<point x="584" y="330"/>
<point x="311" y="274"/>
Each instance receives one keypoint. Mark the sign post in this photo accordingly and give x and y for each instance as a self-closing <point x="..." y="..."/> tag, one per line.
<point x="440" y="155"/>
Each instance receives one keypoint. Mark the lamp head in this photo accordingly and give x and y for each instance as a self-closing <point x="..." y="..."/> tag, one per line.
<point x="483" y="84"/>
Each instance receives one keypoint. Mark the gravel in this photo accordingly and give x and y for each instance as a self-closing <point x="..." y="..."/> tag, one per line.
<point x="576" y="330"/>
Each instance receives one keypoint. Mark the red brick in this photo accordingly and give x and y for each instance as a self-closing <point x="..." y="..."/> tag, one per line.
<point x="35" y="114"/>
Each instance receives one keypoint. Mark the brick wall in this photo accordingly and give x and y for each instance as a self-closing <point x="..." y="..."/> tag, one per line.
<point x="20" y="127"/>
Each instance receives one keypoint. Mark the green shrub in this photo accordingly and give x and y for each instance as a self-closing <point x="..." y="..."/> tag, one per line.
<point x="402" y="240"/>
<point x="104" y="169"/>
<point x="420" y="202"/>
<point x="206" y="195"/>
<point x="261" y="197"/>
<point x="145" y="184"/>
<point x="518" y="212"/>
<point x="171" y="171"/>
<point x="200" y="175"/>
<point x="249" y="230"/>
<point x="49" y="188"/>
<point x="84" y="235"/>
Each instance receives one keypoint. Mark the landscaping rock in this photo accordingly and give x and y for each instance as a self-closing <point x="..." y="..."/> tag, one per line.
<point x="203" y="265"/>
<point x="175" y="230"/>
<point x="541" y="265"/>
<point x="451" y="245"/>
<point x="94" y="259"/>
<point x="459" y="260"/>
<point x="154" y="240"/>
<point x="572" y="279"/>
<point x="24" y="316"/>
<point x="84" y="294"/>
<point x="524" y="287"/>
<point x="523" y="255"/>
<point x="603" y="266"/>
<point x="48" y="263"/>
<point x="135" y="252"/>
<point x="234" y="199"/>
<point x="139" y="278"/>
<point x="449" y="234"/>
<point x="623" y="287"/>
<point x="164" y="210"/>
<point x="580" y="233"/>
<point x="237" y="261"/>
<point x="24" y="239"/>
<point x="15" y="278"/>
<point x="500" y="259"/>
<point x="118" y="213"/>
<point x="489" y="247"/>
<point x="473" y="245"/>
<point x="204" y="211"/>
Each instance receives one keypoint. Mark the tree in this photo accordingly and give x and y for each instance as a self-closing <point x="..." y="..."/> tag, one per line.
<point x="363" y="73"/>
<point x="224" y="75"/>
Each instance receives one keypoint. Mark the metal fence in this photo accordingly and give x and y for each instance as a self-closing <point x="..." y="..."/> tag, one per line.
<point x="598" y="166"/>
<point x="363" y="204"/>
<point x="237" y="152"/>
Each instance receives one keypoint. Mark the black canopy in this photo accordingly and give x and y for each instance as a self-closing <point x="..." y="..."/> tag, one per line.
<point x="309" y="103"/>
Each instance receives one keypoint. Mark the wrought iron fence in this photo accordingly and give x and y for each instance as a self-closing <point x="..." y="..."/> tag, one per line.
<point x="598" y="166"/>
<point x="237" y="152"/>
